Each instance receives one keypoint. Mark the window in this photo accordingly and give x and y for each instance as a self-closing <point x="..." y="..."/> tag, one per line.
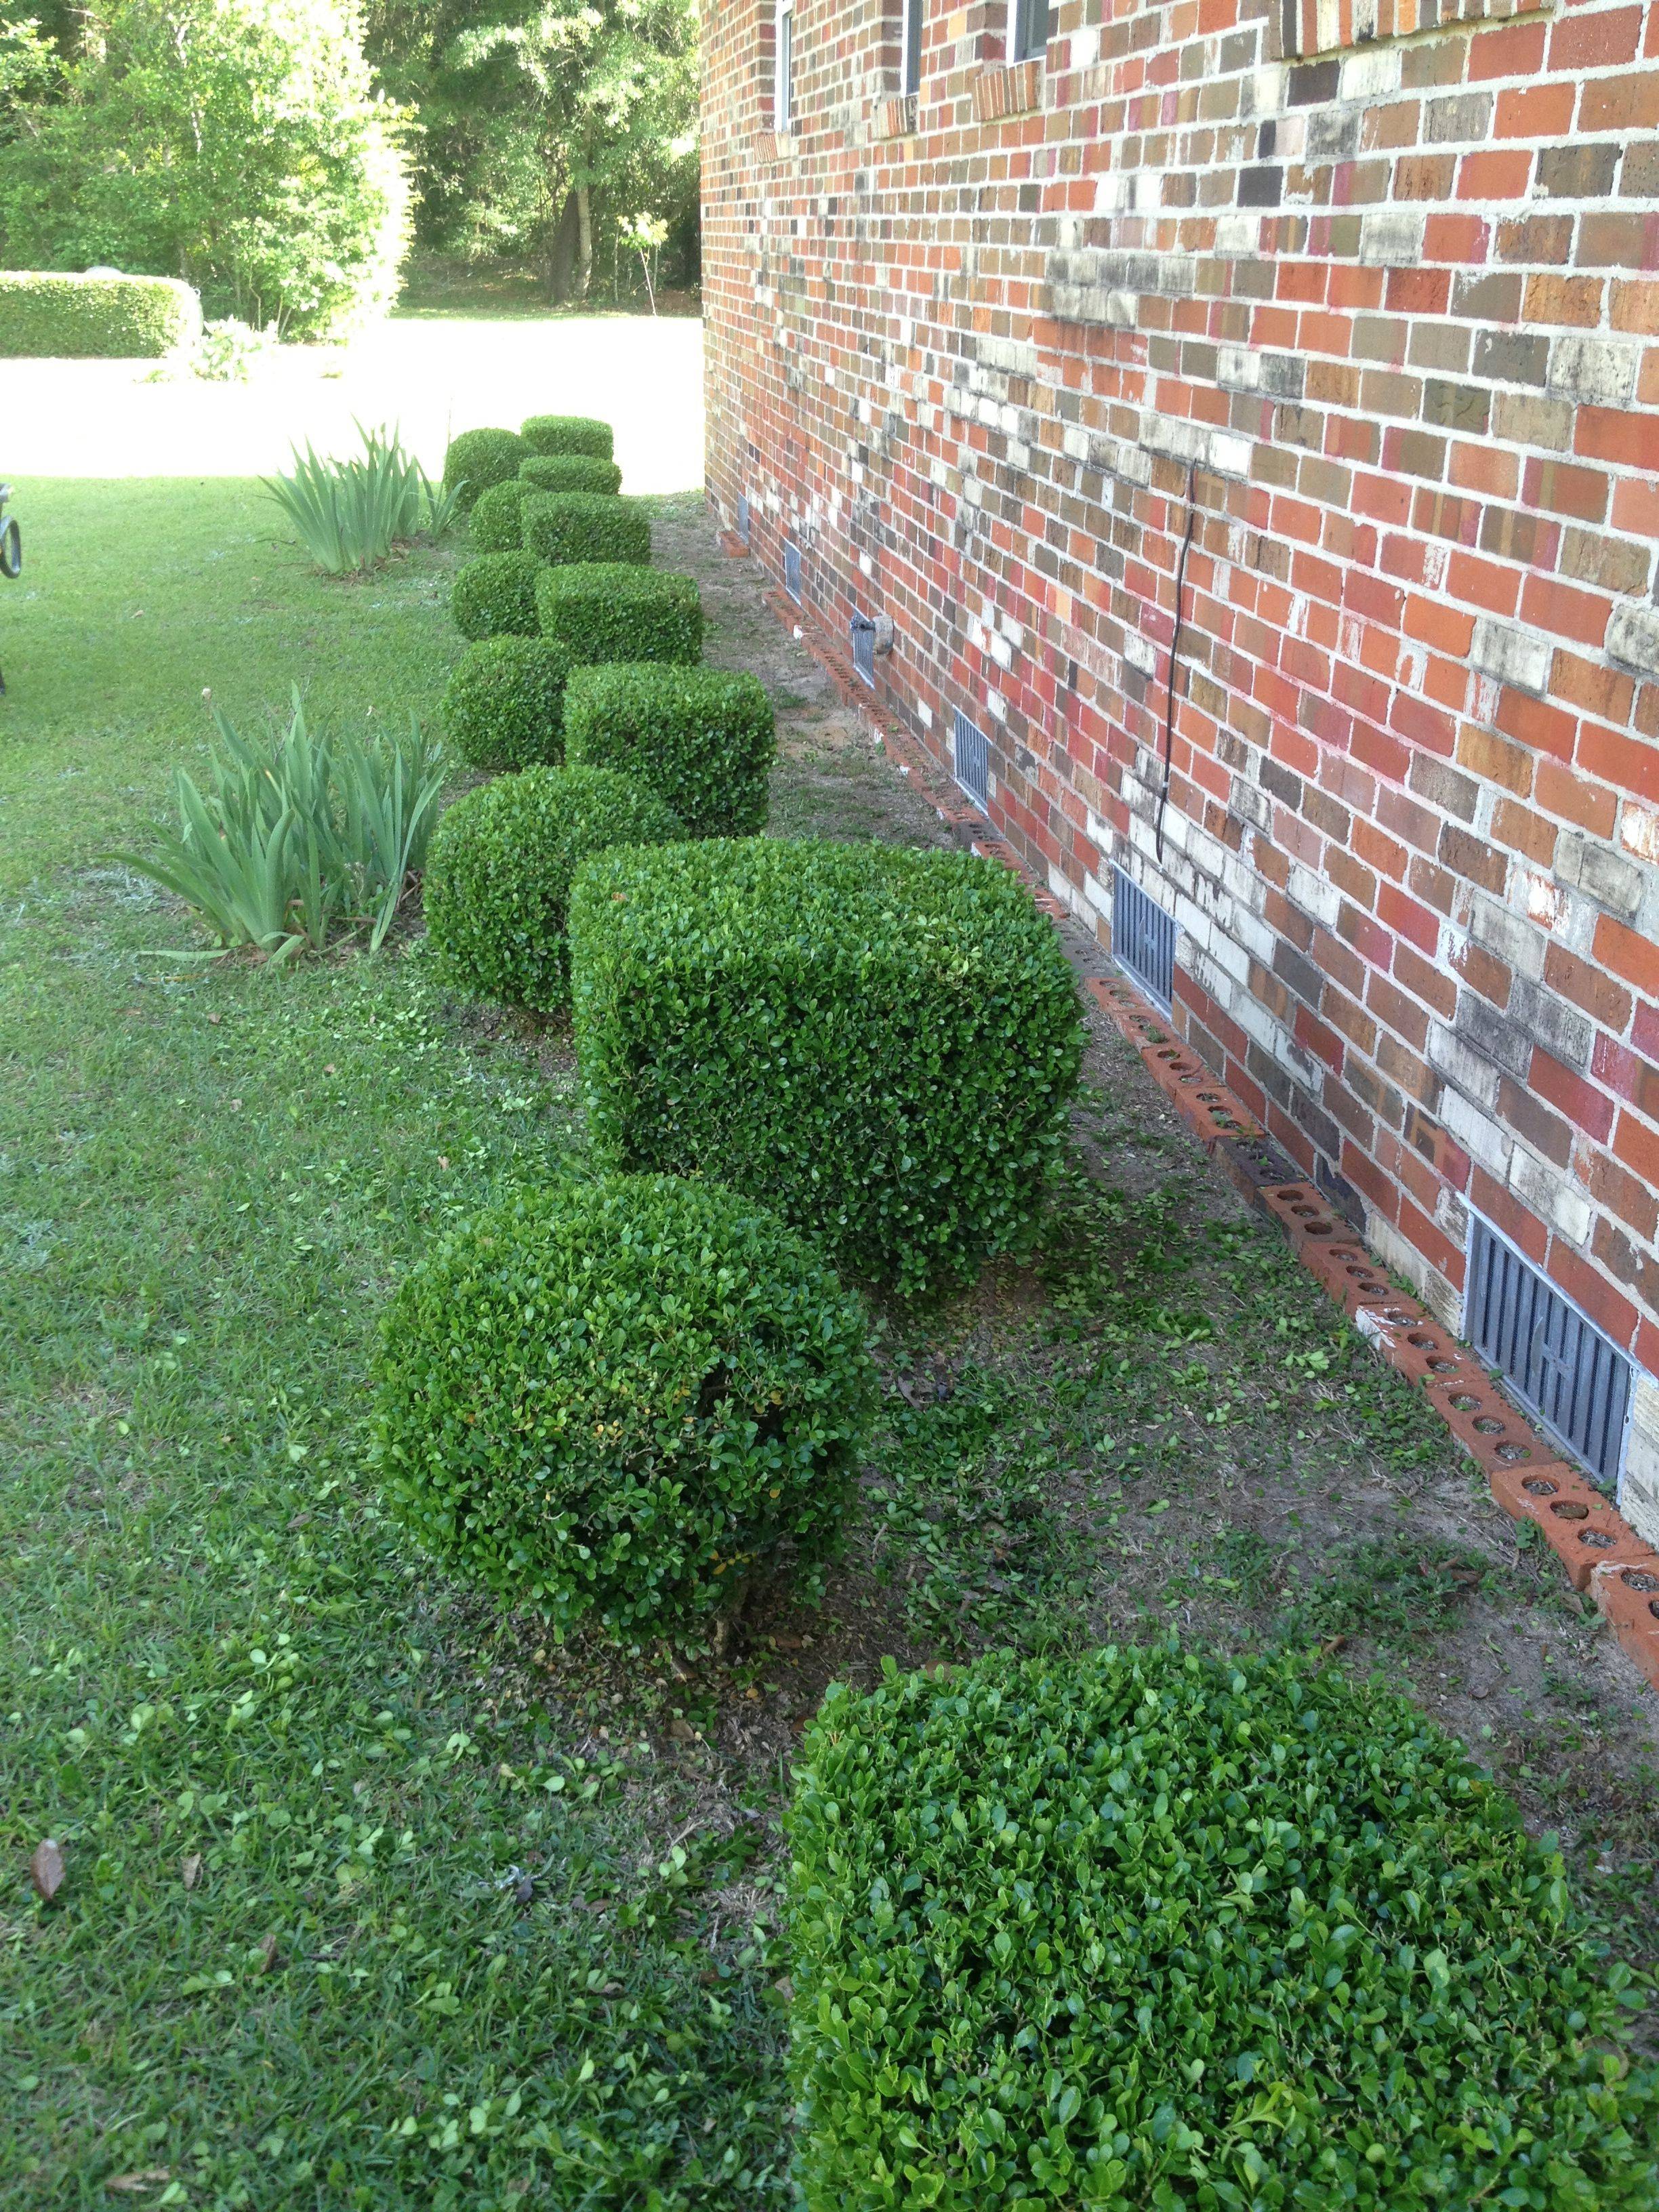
<point x="910" y="67"/>
<point x="783" y="82"/>
<point x="1028" y="30"/>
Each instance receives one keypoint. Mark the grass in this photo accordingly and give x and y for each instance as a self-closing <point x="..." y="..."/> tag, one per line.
<point x="371" y="1898"/>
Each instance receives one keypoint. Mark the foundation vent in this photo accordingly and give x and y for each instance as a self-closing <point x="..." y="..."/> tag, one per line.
<point x="1143" y="939"/>
<point x="743" y="521"/>
<point x="792" y="572"/>
<point x="864" y="648"/>
<point x="971" y="757"/>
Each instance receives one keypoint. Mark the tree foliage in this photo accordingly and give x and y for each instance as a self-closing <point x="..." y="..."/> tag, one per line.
<point x="239" y="145"/>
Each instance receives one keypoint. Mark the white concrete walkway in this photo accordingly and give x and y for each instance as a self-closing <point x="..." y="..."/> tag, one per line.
<point x="431" y="377"/>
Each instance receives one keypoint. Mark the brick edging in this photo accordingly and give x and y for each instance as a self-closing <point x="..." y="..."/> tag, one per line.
<point x="1526" y="1472"/>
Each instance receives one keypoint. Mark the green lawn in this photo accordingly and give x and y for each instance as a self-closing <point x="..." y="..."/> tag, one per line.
<point x="372" y="1900"/>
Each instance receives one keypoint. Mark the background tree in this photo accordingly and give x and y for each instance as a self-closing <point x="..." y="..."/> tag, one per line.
<point x="239" y="145"/>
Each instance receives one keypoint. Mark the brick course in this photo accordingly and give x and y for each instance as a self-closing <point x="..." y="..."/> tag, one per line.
<point x="1364" y="289"/>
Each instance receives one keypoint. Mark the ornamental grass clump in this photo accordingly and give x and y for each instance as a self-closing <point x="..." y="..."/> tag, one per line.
<point x="704" y="738"/>
<point x="498" y="878"/>
<point x="623" y="1403"/>
<point x="615" y="610"/>
<point x="1151" y="1930"/>
<point x="503" y="706"/>
<point x="570" y="472"/>
<point x="494" y="595"/>
<point x="882" y="1043"/>
<point x="585" y="526"/>
<point x="350" y="514"/>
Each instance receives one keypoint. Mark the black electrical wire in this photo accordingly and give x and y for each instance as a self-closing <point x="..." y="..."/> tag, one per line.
<point x="1175" y="648"/>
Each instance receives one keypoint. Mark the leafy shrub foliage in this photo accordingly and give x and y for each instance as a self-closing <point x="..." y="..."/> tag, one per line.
<point x="585" y="526"/>
<point x="350" y="514"/>
<point x="496" y="595"/>
<point x="881" y="1042"/>
<point x="498" y="878"/>
<point x="613" y="611"/>
<point x="705" y="738"/>
<point x="571" y="472"/>
<point x="300" y="837"/>
<point x="503" y="706"/>
<point x="567" y="434"/>
<point x="478" y="458"/>
<point x="103" y="318"/>
<point x="1146" y="1929"/>
<point x="497" y="518"/>
<point x="622" y="1400"/>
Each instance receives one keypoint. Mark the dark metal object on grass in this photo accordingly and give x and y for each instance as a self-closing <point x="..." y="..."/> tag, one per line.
<point x="11" y="546"/>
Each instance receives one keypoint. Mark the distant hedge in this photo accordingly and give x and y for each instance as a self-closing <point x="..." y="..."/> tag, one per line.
<point x="46" y="317"/>
<point x="1144" y="1928"/>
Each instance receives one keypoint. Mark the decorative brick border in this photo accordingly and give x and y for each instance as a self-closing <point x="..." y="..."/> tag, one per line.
<point x="1525" y="1471"/>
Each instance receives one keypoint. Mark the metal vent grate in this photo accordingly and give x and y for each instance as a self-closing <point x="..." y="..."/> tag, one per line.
<point x="1561" y="1368"/>
<point x="1143" y="939"/>
<point x="971" y="757"/>
<point x="792" y="572"/>
<point x="864" y="648"/>
<point x="743" y="521"/>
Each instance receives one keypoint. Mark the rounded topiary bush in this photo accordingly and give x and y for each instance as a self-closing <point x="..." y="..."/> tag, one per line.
<point x="498" y="875"/>
<point x="704" y="738"/>
<point x="503" y="706"/>
<point x="496" y="594"/>
<point x="571" y="472"/>
<point x="587" y="525"/>
<point x="1147" y="1928"/>
<point x="497" y="521"/>
<point x="567" y="434"/>
<point x="621" y="1401"/>
<point x="478" y="458"/>
<point x="620" y="610"/>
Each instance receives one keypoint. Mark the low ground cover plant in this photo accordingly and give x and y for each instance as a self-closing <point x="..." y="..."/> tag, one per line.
<point x="46" y="316"/>
<point x="704" y="738"/>
<point x="623" y="1401"/>
<point x="585" y="526"/>
<point x="567" y="434"/>
<point x="478" y="458"/>
<point x="498" y="878"/>
<point x="614" y="610"/>
<point x="571" y="472"/>
<point x="349" y="514"/>
<point x="497" y="517"/>
<point x="302" y="836"/>
<point x="882" y="1041"/>
<point x="494" y="595"/>
<point x="503" y="706"/>
<point x="1146" y="1928"/>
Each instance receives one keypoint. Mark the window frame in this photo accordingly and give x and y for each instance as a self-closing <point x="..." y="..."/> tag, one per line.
<point x="783" y="67"/>
<point x="1020" y="19"/>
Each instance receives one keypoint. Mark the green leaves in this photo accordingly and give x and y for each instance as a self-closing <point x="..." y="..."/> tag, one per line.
<point x="1147" y="1928"/>
<point x="350" y="514"/>
<point x="479" y="459"/>
<point x="704" y="738"/>
<point x="618" y="611"/>
<point x="585" y="526"/>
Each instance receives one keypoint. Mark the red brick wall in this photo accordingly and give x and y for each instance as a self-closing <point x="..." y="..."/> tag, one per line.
<point x="1386" y="274"/>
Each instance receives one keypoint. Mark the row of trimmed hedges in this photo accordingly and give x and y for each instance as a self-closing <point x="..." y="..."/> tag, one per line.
<point x="49" y="316"/>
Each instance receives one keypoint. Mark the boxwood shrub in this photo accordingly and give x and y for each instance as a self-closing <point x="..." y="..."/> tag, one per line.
<point x="567" y="434"/>
<point x="1147" y="1929"/>
<point x="499" y="869"/>
<point x="702" y="737"/>
<point x="882" y="1043"/>
<point x="571" y="472"/>
<point x="497" y="520"/>
<point x="478" y="458"/>
<point x="59" y="318"/>
<point x="496" y="594"/>
<point x="503" y="706"/>
<point x="613" y="611"/>
<point x="585" y="526"/>
<point x="623" y="1402"/>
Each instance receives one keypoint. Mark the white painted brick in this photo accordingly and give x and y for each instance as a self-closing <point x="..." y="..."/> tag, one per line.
<point x="1510" y="654"/>
<point x="1391" y="238"/>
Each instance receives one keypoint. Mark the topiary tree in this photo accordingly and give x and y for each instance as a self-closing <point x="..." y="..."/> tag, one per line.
<point x="237" y="143"/>
<point x="499" y="873"/>
<point x="1152" y="1929"/>
<point x="495" y="594"/>
<point x="503" y="706"/>
<point x="478" y="458"/>
<point x="621" y="1402"/>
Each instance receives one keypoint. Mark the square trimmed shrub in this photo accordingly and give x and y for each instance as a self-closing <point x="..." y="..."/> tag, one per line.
<point x="882" y="1043"/>
<point x="478" y="458"/>
<point x="571" y="472"/>
<point x="497" y="517"/>
<point x="615" y="611"/>
<point x="46" y="316"/>
<point x="704" y="738"/>
<point x="495" y="593"/>
<point x="585" y="526"/>
<point x="503" y="706"/>
<point x="567" y="434"/>
<point x="1149" y="1928"/>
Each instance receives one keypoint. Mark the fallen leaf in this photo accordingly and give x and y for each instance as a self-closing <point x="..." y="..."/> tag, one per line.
<point x="525" y="1891"/>
<point x="147" y="2178"/>
<point x="46" y="1868"/>
<point x="269" y="1955"/>
<point x="682" y="1730"/>
<point x="785" y="1987"/>
<point x="190" y="1870"/>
